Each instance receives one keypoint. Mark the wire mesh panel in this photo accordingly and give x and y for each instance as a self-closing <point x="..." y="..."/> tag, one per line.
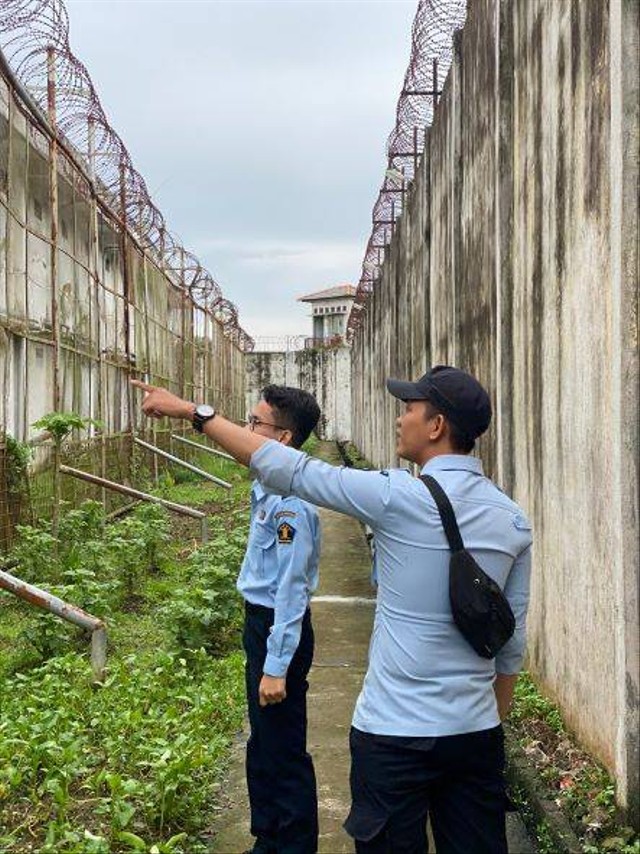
<point x="94" y="289"/>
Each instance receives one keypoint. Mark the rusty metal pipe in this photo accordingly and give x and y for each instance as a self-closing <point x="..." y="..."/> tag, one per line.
<point x="134" y="493"/>
<point x="71" y="613"/>
<point x="204" y="448"/>
<point x="182" y="463"/>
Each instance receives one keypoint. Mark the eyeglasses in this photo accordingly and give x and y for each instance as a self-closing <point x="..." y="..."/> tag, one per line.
<point x="253" y="421"/>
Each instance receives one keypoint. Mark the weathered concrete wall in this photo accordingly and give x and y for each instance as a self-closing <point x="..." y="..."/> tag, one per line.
<point x="516" y="258"/>
<point x="326" y="373"/>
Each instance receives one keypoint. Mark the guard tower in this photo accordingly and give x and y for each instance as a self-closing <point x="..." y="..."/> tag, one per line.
<point x="329" y="309"/>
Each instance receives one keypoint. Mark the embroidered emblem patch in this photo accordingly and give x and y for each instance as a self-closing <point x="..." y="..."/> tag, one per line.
<point x="286" y="533"/>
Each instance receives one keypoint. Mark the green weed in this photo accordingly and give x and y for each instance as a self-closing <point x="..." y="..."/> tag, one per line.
<point x="133" y="766"/>
<point x="140" y="755"/>
<point x="580" y="787"/>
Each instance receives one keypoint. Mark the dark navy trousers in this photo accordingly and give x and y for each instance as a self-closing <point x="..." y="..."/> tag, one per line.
<point x="457" y="781"/>
<point x="280" y="775"/>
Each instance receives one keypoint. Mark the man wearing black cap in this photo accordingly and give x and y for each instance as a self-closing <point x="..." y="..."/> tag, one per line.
<point x="426" y="735"/>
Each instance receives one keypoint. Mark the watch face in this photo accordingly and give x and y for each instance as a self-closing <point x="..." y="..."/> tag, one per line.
<point x="205" y="411"/>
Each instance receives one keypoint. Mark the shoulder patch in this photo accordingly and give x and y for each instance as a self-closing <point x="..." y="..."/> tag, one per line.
<point x="286" y="533"/>
<point x="288" y="513"/>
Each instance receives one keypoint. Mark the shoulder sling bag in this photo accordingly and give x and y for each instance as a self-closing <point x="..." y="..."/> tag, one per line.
<point x="480" y="608"/>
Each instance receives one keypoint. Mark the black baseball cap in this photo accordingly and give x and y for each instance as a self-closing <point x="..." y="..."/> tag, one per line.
<point x="457" y="394"/>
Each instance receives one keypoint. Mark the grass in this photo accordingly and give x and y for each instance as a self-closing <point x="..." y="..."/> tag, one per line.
<point x="581" y="787"/>
<point x="352" y="456"/>
<point x="134" y="765"/>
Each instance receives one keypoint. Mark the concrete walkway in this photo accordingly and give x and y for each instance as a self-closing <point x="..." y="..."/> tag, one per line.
<point x="342" y="618"/>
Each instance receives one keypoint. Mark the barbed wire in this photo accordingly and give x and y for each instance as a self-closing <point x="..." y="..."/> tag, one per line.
<point x="34" y="38"/>
<point x="431" y="56"/>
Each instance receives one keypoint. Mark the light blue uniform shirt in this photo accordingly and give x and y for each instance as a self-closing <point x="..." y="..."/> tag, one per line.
<point x="280" y="569"/>
<point x="423" y="678"/>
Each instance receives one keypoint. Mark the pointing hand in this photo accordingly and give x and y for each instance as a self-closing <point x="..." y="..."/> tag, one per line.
<point x="159" y="402"/>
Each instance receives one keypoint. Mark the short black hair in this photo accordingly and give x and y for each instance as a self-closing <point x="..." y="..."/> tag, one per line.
<point x="460" y="441"/>
<point x="295" y="408"/>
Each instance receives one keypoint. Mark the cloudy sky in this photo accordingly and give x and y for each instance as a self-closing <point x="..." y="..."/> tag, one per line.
<point x="260" y="130"/>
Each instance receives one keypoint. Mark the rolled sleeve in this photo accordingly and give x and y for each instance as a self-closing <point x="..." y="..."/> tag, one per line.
<point x="509" y="659"/>
<point x="361" y="494"/>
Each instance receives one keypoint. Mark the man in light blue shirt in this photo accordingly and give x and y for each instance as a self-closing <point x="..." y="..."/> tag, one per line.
<point x="426" y="734"/>
<point x="278" y="575"/>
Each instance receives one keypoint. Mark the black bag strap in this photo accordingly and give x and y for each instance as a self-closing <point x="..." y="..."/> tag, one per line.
<point x="445" y="509"/>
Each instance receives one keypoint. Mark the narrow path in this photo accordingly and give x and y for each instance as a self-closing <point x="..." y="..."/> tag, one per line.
<point x="342" y="617"/>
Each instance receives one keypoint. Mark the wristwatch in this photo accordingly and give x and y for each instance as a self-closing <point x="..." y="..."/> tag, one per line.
<point x="201" y="415"/>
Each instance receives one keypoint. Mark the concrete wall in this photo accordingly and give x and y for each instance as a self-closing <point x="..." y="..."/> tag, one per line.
<point x="516" y="258"/>
<point x="326" y="373"/>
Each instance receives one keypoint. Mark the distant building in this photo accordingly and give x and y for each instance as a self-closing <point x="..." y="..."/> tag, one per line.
<point x="329" y="309"/>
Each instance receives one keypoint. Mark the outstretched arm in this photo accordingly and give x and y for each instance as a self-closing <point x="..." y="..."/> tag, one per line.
<point x="285" y="470"/>
<point x="240" y="443"/>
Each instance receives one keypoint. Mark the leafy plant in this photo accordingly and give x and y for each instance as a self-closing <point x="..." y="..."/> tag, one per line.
<point x="36" y="553"/>
<point x="48" y="635"/>
<point x="134" y="544"/>
<point x="17" y="458"/>
<point x="207" y="614"/>
<point x="82" y="524"/>
<point x="529" y="702"/>
<point x="59" y="425"/>
<point x="145" y="751"/>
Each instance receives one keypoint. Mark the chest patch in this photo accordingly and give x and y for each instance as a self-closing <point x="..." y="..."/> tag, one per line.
<point x="286" y="533"/>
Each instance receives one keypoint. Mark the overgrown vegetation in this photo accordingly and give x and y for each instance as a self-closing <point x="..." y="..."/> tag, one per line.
<point x="60" y="425"/>
<point x="351" y="456"/>
<point x="18" y="455"/>
<point x="581" y="788"/>
<point x="133" y="765"/>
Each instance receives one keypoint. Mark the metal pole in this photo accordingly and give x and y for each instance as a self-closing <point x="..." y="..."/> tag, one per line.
<point x="147" y="340"/>
<point x="134" y="493"/>
<point x="204" y="447"/>
<point x="127" y="313"/>
<point x="182" y="463"/>
<point x="53" y="200"/>
<point x="98" y="652"/>
<point x="183" y="327"/>
<point x="101" y="338"/>
<point x="71" y="613"/>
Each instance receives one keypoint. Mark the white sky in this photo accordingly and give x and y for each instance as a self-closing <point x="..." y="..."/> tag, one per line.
<point x="259" y="128"/>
